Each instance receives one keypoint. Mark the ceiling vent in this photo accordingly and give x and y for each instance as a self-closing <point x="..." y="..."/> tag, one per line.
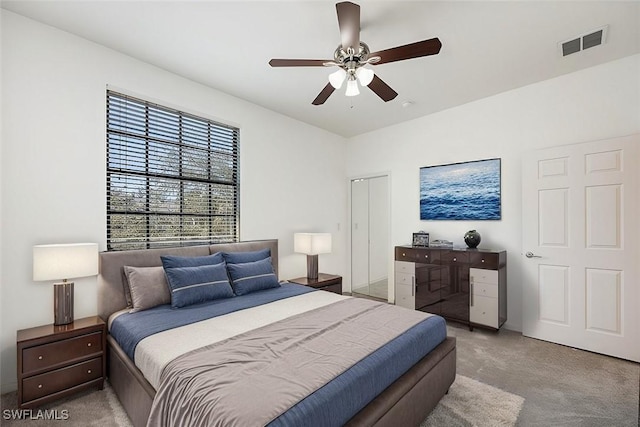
<point x="583" y="41"/>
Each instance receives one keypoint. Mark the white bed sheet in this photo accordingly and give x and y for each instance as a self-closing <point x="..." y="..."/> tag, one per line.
<point x="154" y="352"/>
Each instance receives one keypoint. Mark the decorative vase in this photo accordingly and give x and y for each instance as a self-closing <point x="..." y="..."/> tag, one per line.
<point x="472" y="239"/>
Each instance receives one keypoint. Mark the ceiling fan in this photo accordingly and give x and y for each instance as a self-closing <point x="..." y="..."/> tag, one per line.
<point x="352" y="55"/>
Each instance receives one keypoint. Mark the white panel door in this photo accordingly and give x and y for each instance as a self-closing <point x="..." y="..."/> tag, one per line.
<point x="581" y="251"/>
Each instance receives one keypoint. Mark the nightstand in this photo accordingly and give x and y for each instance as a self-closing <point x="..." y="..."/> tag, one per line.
<point x="56" y="361"/>
<point x="325" y="282"/>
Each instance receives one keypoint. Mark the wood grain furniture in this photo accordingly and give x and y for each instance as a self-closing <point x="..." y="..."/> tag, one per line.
<point x="56" y="361"/>
<point x="464" y="285"/>
<point x="407" y="401"/>
<point x="325" y="282"/>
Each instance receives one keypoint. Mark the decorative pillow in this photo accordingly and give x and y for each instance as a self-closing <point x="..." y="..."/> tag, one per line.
<point x="252" y="276"/>
<point x="148" y="287"/>
<point x="193" y="285"/>
<point x="170" y="261"/>
<point x="244" y="257"/>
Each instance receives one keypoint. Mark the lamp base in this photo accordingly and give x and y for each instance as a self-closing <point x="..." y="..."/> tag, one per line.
<point x="312" y="266"/>
<point x="62" y="303"/>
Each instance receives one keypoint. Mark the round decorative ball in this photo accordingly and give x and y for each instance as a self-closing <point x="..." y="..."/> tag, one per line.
<point x="472" y="239"/>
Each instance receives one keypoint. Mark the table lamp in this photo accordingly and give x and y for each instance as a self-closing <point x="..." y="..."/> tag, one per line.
<point x="312" y="244"/>
<point x="64" y="261"/>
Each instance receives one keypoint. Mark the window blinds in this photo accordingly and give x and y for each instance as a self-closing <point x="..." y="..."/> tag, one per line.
<point x="172" y="177"/>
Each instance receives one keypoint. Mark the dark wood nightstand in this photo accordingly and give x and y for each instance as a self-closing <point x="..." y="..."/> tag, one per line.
<point x="325" y="282"/>
<point x="56" y="361"/>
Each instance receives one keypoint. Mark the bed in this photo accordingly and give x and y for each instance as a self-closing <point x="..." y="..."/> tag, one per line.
<point x="402" y="398"/>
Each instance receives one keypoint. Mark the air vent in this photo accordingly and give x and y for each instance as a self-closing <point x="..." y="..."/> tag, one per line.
<point x="583" y="41"/>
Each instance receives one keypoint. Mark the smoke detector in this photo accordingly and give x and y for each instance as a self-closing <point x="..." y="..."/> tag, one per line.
<point x="583" y="41"/>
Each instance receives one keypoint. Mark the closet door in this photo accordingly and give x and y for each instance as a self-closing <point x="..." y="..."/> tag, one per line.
<point x="360" y="236"/>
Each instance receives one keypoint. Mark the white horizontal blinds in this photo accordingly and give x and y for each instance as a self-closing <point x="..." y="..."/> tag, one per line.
<point x="172" y="178"/>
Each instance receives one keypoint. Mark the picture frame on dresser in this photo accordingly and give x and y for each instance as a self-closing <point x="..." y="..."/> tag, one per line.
<point x="420" y="239"/>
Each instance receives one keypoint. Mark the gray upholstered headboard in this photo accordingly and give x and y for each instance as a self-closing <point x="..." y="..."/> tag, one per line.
<point x="111" y="294"/>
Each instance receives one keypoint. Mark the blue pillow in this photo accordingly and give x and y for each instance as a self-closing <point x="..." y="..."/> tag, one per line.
<point x="169" y="261"/>
<point x="252" y="276"/>
<point x="244" y="257"/>
<point x="193" y="285"/>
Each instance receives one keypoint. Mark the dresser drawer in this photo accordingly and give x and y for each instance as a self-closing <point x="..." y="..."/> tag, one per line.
<point x="484" y="311"/>
<point x="405" y="297"/>
<point x="47" y="355"/>
<point x="485" y="289"/>
<point x="404" y="279"/>
<point x="485" y="276"/>
<point x="61" y="379"/>
<point x="405" y="267"/>
<point x="406" y="254"/>
<point x="484" y="260"/>
<point x="454" y="257"/>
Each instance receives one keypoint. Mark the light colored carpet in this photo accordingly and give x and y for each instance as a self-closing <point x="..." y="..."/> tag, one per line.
<point x="472" y="403"/>
<point x="469" y="403"/>
<point x="99" y="408"/>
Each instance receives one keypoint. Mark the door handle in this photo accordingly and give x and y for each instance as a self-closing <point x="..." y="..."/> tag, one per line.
<point x="532" y="255"/>
<point x="413" y="285"/>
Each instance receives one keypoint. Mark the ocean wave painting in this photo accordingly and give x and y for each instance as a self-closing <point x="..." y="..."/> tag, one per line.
<point x="461" y="191"/>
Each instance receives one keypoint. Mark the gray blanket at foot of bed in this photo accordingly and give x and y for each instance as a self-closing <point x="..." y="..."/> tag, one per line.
<point x="254" y="377"/>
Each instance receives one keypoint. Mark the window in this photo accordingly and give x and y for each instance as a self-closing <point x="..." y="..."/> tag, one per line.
<point x="172" y="178"/>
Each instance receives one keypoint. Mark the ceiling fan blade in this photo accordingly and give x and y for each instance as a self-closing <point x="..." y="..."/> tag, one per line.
<point x="349" y="23"/>
<point x="382" y="89"/>
<point x="299" y="62"/>
<point x="323" y="95"/>
<point x="408" y="51"/>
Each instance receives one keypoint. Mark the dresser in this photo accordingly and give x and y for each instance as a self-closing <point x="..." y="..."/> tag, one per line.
<point x="464" y="285"/>
<point x="56" y="361"/>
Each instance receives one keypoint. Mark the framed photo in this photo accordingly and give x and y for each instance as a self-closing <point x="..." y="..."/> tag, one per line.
<point x="420" y="239"/>
<point x="461" y="191"/>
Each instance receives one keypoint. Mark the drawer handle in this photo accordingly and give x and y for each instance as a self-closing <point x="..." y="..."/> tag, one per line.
<point x="403" y="254"/>
<point x="482" y="260"/>
<point x="39" y="385"/>
<point x="454" y="260"/>
<point x="88" y="371"/>
<point x="39" y="357"/>
<point x="88" y="344"/>
<point x="426" y="256"/>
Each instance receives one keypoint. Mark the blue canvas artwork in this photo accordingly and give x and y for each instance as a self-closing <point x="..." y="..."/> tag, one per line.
<point x="461" y="191"/>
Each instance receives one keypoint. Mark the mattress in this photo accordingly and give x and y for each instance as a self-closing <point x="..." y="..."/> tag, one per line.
<point x="155" y="338"/>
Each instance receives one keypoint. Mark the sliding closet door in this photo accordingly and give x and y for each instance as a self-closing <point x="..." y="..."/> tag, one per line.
<point x="370" y="251"/>
<point x="379" y="237"/>
<point x="360" y="236"/>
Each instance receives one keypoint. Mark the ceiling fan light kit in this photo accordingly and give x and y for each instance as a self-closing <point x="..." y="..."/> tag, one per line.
<point x="352" y="55"/>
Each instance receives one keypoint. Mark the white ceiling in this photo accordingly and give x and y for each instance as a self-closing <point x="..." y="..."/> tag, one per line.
<point x="488" y="47"/>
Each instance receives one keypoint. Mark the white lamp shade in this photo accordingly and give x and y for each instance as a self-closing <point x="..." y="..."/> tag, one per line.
<point x="337" y="77"/>
<point x="365" y="75"/>
<point x="352" y="88"/>
<point x="312" y="243"/>
<point x="55" y="262"/>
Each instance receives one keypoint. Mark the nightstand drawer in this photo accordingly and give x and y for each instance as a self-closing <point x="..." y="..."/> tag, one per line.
<point x="48" y="355"/>
<point x="335" y="288"/>
<point x="61" y="379"/>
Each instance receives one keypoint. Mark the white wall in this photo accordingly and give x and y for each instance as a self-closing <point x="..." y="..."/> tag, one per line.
<point x="596" y="103"/>
<point x="53" y="165"/>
